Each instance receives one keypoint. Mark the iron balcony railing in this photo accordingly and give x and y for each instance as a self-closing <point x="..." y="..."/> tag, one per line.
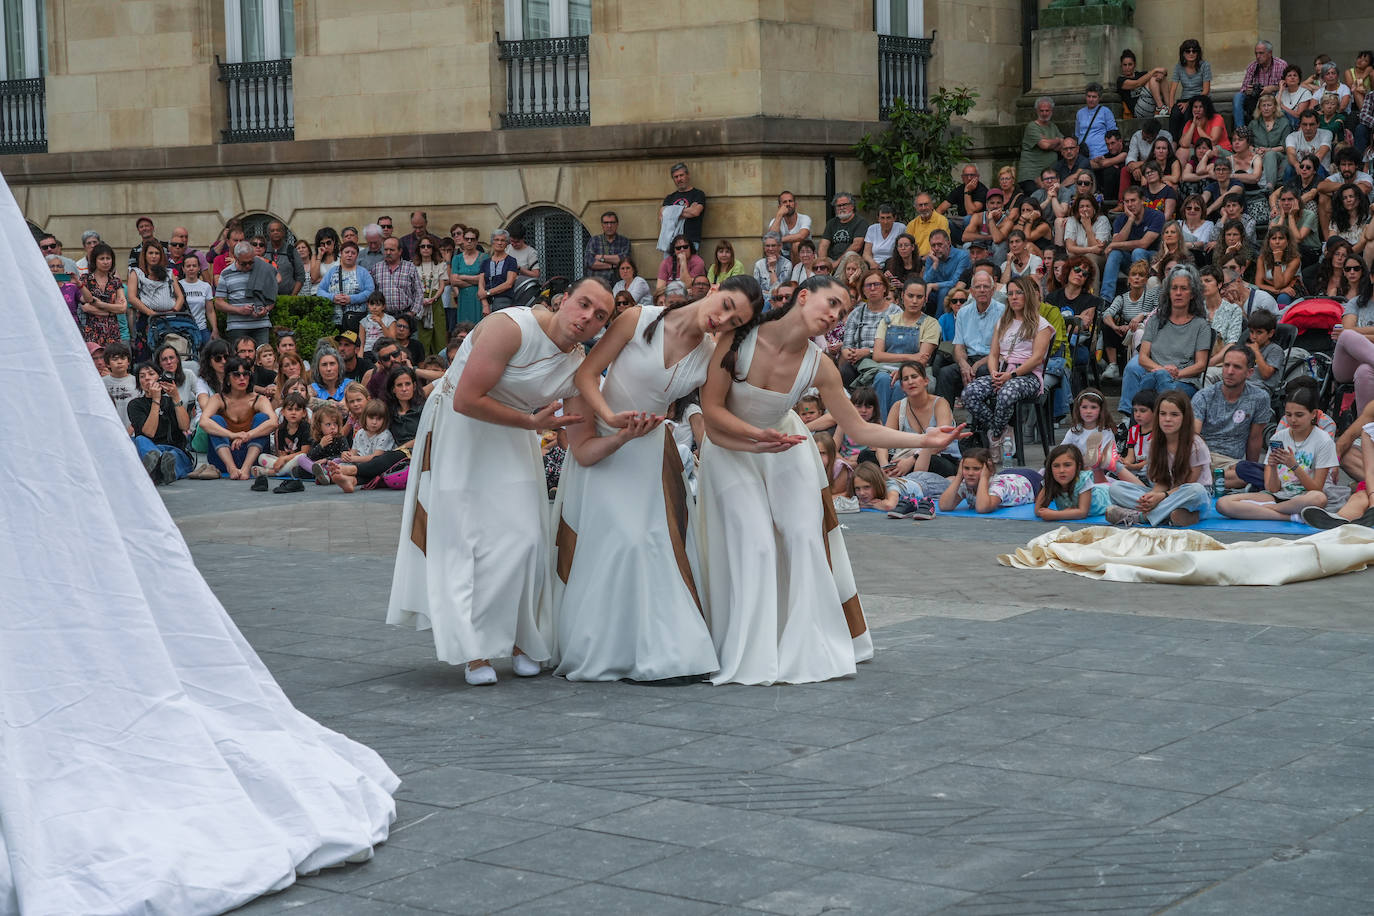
<point x="23" y="116"/>
<point x="902" y="72"/>
<point x="546" y="82"/>
<point x="259" y="101"/>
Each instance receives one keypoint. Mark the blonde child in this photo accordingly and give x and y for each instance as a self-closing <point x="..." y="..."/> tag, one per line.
<point x="899" y="497"/>
<point x="1070" y="493"/>
<point x="979" y="483"/>
<point x="355" y="400"/>
<point x="839" y="471"/>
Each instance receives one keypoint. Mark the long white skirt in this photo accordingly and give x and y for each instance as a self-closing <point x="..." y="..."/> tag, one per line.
<point x="472" y="562"/>
<point x="627" y="604"/>
<point x="775" y="577"/>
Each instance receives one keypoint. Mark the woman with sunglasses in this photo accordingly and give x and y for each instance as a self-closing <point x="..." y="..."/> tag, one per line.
<point x="434" y="272"/>
<point x="681" y="264"/>
<point x="1192" y="77"/>
<point x="625" y="597"/>
<point x="326" y="255"/>
<point x="1333" y="281"/>
<point x="478" y="576"/>
<point x="238" y="422"/>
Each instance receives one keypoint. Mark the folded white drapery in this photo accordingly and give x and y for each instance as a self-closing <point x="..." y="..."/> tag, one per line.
<point x="149" y="763"/>
<point x="1184" y="557"/>
<point x="670" y="227"/>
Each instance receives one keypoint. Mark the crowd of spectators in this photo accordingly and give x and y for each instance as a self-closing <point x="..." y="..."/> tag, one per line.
<point x="1171" y="250"/>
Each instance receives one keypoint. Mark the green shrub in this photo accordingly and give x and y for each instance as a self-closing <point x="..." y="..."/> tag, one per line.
<point x="311" y="317"/>
<point x="918" y="152"/>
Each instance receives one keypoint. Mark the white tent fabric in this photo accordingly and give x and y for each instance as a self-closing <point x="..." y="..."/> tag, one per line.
<point x="149" y="763"/>
<point x="1179" y="556"/>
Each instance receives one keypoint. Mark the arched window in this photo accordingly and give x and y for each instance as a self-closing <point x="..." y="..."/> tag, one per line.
<point x="559" y="238"/>
<point x="256" y="224"/>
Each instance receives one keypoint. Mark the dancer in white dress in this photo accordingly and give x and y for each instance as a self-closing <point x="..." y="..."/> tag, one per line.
<point x="149" y="763"/>
<point x="775" y="578"/>
<point x="626" y="601"/>
<point x="472" y="562"/>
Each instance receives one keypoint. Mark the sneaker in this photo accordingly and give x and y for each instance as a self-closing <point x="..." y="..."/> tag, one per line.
<point x="258" y="470"/>
<point x="259" y="484"/>
<point x="1124" y="518"/>
<point x="205" y="472"/>
<point x="286" y="486"/>
<point x="926" y="509"/>
<point x="1111" y="373"/>
<point x="1324" y="519"/>
<point x="524" y="666"/>
<point x="168" y="466"/>
<point x="321" y="472"/>
<point x="905" y="508"/>
<point x="152" y="463"/>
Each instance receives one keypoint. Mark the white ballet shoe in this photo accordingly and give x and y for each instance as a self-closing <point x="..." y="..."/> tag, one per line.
<point x="524" y="666"/>
<point x="480" y="677"/>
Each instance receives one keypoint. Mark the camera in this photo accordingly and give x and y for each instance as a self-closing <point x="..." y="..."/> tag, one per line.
<point x="170" y="377"/>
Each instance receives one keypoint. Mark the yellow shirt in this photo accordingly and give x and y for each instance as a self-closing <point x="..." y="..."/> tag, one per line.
<point x="921" y="229"/>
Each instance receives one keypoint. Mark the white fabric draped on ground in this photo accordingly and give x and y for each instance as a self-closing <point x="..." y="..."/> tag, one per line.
<point x="1184" y="557"/>
<point x="148" y="761"/>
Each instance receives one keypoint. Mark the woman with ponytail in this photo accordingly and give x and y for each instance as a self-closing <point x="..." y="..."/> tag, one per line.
<point x="776" y="584"/>
<point x="625" y="598"/>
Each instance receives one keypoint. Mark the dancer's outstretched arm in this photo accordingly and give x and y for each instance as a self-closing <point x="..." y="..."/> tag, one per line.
<point x="491" y="352"/>
<point x="871" y="434"/>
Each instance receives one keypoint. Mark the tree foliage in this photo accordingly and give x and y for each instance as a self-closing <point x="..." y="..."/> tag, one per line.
<point x="311" y="317"/>
<point x="918" y="151"/>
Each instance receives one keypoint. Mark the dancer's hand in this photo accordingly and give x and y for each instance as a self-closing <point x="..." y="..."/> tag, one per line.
<point x="641" y="424"/>
<point x="622" y="419"/>
<point x="546" y="418"/>
<point x="939" y="438"/>
<point x="770" y="440"/>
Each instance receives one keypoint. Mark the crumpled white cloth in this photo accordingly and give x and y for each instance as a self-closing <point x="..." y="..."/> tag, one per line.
<point x="670" y="227"/>
<point x="149" y="763"/>
<point x="1184" y="557"/>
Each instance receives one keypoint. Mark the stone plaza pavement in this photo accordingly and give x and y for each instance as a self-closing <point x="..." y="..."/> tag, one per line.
<point x="1024" y="742"/>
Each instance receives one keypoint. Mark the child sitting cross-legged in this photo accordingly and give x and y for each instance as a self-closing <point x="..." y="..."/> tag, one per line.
<point x="1069" y="494"/>
<point x="326" y="428"/>
<point x="1179" y="459"/>
<point x="372" y="440"/>
<point x="1301" y="458"/>
<point x="1092" y="432"/>
<point x="912" y="496"/>
<point x="984" y="488"/>
<point x="291" y="442"/>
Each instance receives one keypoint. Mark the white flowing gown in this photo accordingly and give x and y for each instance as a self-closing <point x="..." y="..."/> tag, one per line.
<point x="149" y="763"/>
<point x="626" y="601"/>
<point x="775" y="577"/>
<point x="473" y="559"/>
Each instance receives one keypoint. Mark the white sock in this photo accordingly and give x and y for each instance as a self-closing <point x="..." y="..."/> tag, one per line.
<point x="1296" y="517"/>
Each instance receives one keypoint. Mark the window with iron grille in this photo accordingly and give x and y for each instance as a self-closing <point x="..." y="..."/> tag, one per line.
<point x="23" y="61"/>
<point x="547" y="64"/>
<point x="260" y="40"/>
<point x="558" y="236"/>
<point x="903" y="53"/>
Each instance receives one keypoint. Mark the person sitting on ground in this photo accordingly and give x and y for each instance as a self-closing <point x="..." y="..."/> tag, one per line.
<point x="159" y="420"/>
<point x="1178" y="461"/>
<point x="290" y="442"/>
<point x="1092" y="432"/>
<point x="838" y="470"/>
<point x="1301" y="459"/>
<point x="918" y="411"/>
<point x="238" y="422"/>
<point x="900" y="497"/>
<point x="1138" y="435"/>
<point x="373" y="441"/>
<point x="1231" y="415"/>
<point x="1069" y="493"/>
<point x="984" y="488"/>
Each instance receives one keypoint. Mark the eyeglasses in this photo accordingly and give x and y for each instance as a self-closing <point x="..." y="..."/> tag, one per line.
<point x="51" y="246"/>
<point x="1085" y="184"/>
<point x="384" y="225"/>
<point x="240" y="373"/>
<point x="176" y="244"/>
<point x="876" y="284"/>
<point x="219" y="356"/>
<point x="822" y="268"/>
<point x="426" y="245"/>
<point x="259" y="244"/>
<point x="956" y="300"/>
<point x="782" y="300"/>
<point x="387" y="357"/>
<point x="1080" y="269"/>
<point x="470" y="238"/>
<point x="682" y="247"/>
<point x="1353" y="268"/>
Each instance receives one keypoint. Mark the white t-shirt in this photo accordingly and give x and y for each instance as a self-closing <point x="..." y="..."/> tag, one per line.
<point x="364" y="443"/>
<point x="1032" y="268"/>
<point x="1294" y="99"/>
<point x="1318" y="450"/>
<point x="802" y="221"/>
<point x="372" y="330"/>
<point x="122" y="391"/>
<point x="1203" y="234"/>
<point x="1302" y="146"/>
<point x="882" y="247"/>
<point x="196" y="293"/>
<point x="526" y="257"/>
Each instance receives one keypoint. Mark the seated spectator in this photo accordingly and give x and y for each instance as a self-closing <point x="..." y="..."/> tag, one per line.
<point x="237" y="422"/>
<point x="973" y="330"/>
<point x="373" y="443"/>
<point x="1269" y="131"/>
<point x="977" y="233"/>
<point x="1347" y="171"/>
<point x="1231" y="414"/>
<point x="1329" y="83"/>
<point x="844" y="232"/>
<point x="881" y="236"/>
<point x="1276" y="271"/>
<point x="1221" y="182"/>
<point x="1178" y="463"/>
<point x="1172" y="250"/>
<point x="924" y="223"/>
<point x="1250" y="300"/>
<point x="1040" y="144"/>
<point x="681" y="264"/>
<point x="1108" y="168"/>
<point x="1192" y="78"/>
<point x="1125" y="316"/>
<point x="329" y="381"/>
<point x="772" y="268"/>
<point x="968" y="198"/>
<point x="1134" y="236"/>
<point x="290" y="442"/>
<point x="903" y="263"/>
<point x="406" y="340"/>
<point x="915" y="411"/>
<point x="1301" y="226"/>
<point x="184" y="382"/>
<point x="1155" y="194"/>
<point x="1069" y="492"/>
<point x="1294" y="99"/>
<point x="1203" y="122"/>
<point x="675" y="294"/>
<point x="1075" y="297"/>
<point x="1177" y="341"/>
<point x="1020" y="343"/>
<point x="1030" y="221"/>
<point x="984" y="488"/>
<point x="1086" y="231"/>
<point x="1308" y="140"/>
<point x="629" y="280"/>
<point x="1351" y="218"/>
<point x="791" y="226"/>
<point x="1072" y="158"/>
<point x="805" y="268"/>
<point x="849" y="270"/>
<point x="724" y="264"/>
<point x="1353" y="358"/>
<point x="1139" y="149"/>
<point x="1300" y="461"/>
<point x="1009" y="188"/>
<point x="911" y="337"/>
<point x="1332" y="282"/>
<point x="1199" y="233"/>
<point x="943" y="267"/>
<point x="160" y="423"/>
<point x="898" y="496"/>
<point x="1091" y="124"/>
<point x="355" y="401"/>
<point x="1225" y="317"/>
<point x="1269" y="356"/>
<point x="1142" y="91"/>
<point x="860" y="329"/>
<point x="1093" y="433"/>
<point x="1163" y="154"/>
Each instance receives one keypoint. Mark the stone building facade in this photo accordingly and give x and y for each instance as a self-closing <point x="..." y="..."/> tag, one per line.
<point x="409" y="104"/>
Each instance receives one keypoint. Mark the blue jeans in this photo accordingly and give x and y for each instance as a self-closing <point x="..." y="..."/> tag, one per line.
<point x="1056" y="369"/>
<point x="1361" y="139"/>
<point x="1116" y="259"/>
<point x="184" y="461"/>
<point x="1137" y="378"/>
<point x="1187" y="496"/>
<point x="1238" y="109"/>
<point x="240" y="453"/>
